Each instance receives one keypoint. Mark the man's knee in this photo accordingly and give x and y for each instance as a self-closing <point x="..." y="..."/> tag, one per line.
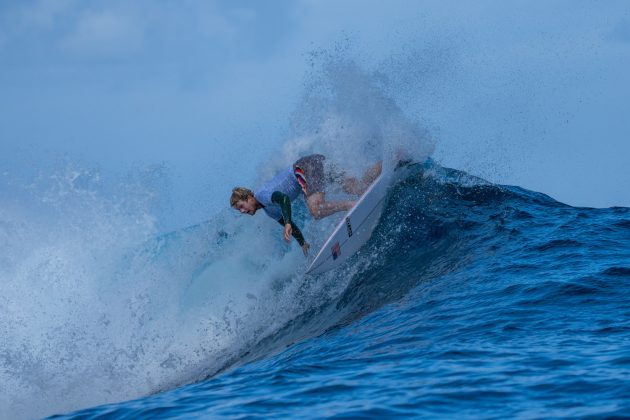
<point x="316" y="211"/>
<point x="314" y="203"/>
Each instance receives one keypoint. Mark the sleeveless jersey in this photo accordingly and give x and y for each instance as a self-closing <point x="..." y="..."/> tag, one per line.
<point x="286" y="183"/>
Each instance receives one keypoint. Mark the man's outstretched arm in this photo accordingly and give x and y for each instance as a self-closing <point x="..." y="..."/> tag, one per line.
<point x="284" y="202"/>
<point x="295" y="232"/>
<point x="290" y="228"/>
<point x="285" y="205"/>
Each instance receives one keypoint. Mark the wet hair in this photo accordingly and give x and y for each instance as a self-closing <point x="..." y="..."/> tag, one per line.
<point x="239" y="193"/>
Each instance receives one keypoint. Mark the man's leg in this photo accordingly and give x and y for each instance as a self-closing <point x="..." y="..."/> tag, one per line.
<point x="320" y="208"/>
<point x="356" y="187"/>
<point x="372" y="173"/>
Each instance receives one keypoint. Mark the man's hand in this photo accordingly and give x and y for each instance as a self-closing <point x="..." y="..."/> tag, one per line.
<point x="305" y="248"/>
<point x="288" y="230"/>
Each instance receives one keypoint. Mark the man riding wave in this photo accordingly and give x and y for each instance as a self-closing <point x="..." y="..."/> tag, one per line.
<point x="306" y="175"/>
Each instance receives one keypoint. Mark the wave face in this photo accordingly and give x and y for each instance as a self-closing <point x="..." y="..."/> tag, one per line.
<point x="470" y="300"/>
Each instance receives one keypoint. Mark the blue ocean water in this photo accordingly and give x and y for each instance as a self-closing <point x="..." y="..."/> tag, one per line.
<point x="471" y="300"/>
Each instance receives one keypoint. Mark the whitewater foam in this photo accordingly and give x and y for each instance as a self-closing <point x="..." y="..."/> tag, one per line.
<point x="98" y="306"/>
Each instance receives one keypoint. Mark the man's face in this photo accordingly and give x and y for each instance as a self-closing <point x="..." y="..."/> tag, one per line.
<point x="246" y="206"/>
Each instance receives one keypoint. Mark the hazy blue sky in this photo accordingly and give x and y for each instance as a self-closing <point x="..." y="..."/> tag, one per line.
<point x="533" y="93"/>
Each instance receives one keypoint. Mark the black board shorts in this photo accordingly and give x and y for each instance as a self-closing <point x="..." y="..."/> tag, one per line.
<point x="309" y="172"/>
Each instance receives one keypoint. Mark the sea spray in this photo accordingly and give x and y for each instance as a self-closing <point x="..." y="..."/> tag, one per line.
<point x="98" y="306"/>
<point x="345" y="114"/>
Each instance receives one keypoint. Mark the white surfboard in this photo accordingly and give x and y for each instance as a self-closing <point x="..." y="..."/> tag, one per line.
<point x="356" y="227"/>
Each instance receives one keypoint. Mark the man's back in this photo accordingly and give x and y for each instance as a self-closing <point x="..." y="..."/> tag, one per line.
<point x="284" y="182"/>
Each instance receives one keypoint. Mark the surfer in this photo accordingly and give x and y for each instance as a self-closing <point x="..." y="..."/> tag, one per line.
<point x="307" y="175"/>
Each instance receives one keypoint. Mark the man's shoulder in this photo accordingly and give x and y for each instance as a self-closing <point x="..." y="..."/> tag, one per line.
<point x="263" y="195"/>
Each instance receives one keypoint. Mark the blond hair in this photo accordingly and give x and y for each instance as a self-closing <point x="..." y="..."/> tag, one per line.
<point x="239" y="193"/>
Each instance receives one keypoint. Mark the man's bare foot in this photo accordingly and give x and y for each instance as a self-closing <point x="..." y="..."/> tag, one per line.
<point x="371" y="175"/>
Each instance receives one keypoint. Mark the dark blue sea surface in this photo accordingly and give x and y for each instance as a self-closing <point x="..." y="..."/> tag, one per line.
<point x="471" y="300"/>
